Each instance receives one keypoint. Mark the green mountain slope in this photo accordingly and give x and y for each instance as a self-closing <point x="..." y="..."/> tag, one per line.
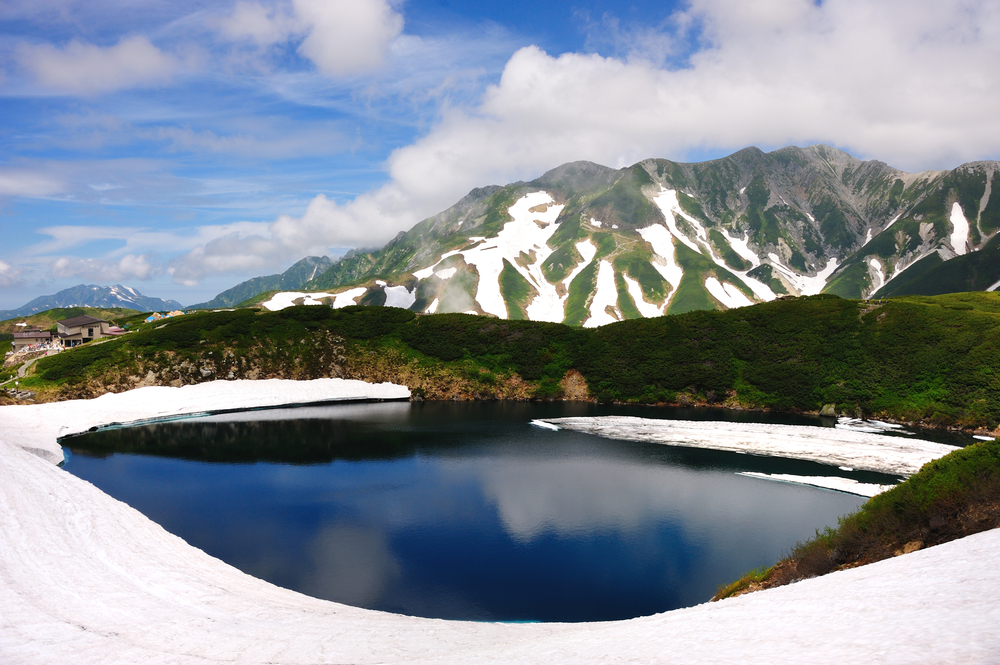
<point x="293" y="278"/>
<point x="588" y="245"/>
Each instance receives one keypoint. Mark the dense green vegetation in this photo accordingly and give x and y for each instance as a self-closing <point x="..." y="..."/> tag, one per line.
<point x="930" y="359"/>
<point x="976" y="271"/>
<point x="954" y="496"/>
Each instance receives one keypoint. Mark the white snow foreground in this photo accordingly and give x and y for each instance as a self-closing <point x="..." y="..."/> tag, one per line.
<point x="85" y="578"/>
<point x="826" y="445"/>
<point x="36" y="427"/>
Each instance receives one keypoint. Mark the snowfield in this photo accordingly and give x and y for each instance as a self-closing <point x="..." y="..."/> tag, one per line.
<point x="86" y="579"/>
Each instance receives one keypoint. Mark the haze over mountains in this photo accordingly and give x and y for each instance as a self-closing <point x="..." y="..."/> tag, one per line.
<point x="587" y="245"/>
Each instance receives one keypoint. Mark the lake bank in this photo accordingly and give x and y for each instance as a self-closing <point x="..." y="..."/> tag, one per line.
<point x="85" y="578"/>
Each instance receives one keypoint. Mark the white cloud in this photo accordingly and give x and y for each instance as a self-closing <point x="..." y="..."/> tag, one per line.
<point x="915" y="88"/>
<point x="348" y="36"/>
<point x="263" y="25"/>
<point x="87" y="69"/>
<point x="9" y="276"/>
<point x="340" y="37"/>
<point x="15" y="182"/>
<point x="128" y="267"/>
<point x="65" y="237"/>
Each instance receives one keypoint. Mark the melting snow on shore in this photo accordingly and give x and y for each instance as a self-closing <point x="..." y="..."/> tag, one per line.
<point x="848" y="485"/>
<point x="87" y="579"/>
<point x="826" y="445"/>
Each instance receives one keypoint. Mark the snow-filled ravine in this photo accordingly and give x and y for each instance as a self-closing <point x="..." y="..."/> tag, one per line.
<point x="87" y="579"/>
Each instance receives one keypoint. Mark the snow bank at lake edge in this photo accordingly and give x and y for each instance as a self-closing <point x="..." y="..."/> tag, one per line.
<point x="85" y="578"/>
<point x="37" y="427"/>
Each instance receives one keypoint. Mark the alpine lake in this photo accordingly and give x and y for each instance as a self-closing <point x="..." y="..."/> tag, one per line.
<point x="464" y="510"/>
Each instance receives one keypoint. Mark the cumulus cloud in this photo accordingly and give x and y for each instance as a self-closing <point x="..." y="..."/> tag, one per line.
<point x="917" y="91"/>
<point x="85" y="69"/>
<point x="348" y="36"/>
<point x="126" y="268"/>
<point x="340" y="37"/>
<point x="9" y="276"/>
<point x="916" y="88"/>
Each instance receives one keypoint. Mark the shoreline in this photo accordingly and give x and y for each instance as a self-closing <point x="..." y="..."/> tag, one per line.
<point x="85" y="578"/>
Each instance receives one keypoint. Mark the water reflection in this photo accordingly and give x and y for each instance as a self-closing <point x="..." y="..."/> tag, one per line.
<point x="459" y="511"/>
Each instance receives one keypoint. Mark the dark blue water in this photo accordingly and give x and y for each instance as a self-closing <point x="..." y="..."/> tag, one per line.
<point x="462" y="511"/>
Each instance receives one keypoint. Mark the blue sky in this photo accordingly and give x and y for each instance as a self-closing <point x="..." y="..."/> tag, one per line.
<point x="180" y="147"/>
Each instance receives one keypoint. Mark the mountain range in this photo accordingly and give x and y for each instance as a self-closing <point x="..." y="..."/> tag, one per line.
<point x="91" y="295"/>
<point x="587" y="245"/>
<point x="293" y="278"/>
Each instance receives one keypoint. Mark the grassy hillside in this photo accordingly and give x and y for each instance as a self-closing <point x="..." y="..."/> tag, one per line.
<point x="930" y="359"/>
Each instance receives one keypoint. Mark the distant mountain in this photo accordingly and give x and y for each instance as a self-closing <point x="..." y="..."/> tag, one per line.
<point x="293" y="278"/>
<point x="587" y="245"/>
<point x="93" y="296"/>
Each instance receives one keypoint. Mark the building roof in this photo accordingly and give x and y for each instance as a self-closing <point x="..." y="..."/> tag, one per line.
<point x="81" y="321"/>
<point x="32" y="334"/>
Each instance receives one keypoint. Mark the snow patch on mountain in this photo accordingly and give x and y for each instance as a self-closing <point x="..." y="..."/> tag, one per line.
<point x="877" y="274"/>
<point x="399" y="296"/>
<point x="960" y="229"/>
<point x="742" y="247"/>
<point x="661" y="240"/>
<point x="349" y="297"/>
<point x="647" y="309"/>
<point x="287" y="299"/>
<point x="605" y="296"/>
<point x="726" y="293"/>
<point x="806" y="286"/>
<point x="670" y="206"/>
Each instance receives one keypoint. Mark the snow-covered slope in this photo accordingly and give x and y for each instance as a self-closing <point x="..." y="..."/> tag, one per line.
<point x="87" y="579"/>
<point x="588" y="245"/>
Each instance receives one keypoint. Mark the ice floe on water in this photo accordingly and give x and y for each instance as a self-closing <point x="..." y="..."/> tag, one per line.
<point x="848" y="485"/>
<point x="85" y="579"/>
<point x="825" y="445"/>
<point x="872" y="426"/>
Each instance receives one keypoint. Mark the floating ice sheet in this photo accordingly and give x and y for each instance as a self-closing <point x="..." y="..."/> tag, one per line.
<point x="826" y="445"/>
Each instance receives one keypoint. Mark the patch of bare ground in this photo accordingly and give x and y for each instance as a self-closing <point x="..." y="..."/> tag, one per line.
<point x="574" y="387"/>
